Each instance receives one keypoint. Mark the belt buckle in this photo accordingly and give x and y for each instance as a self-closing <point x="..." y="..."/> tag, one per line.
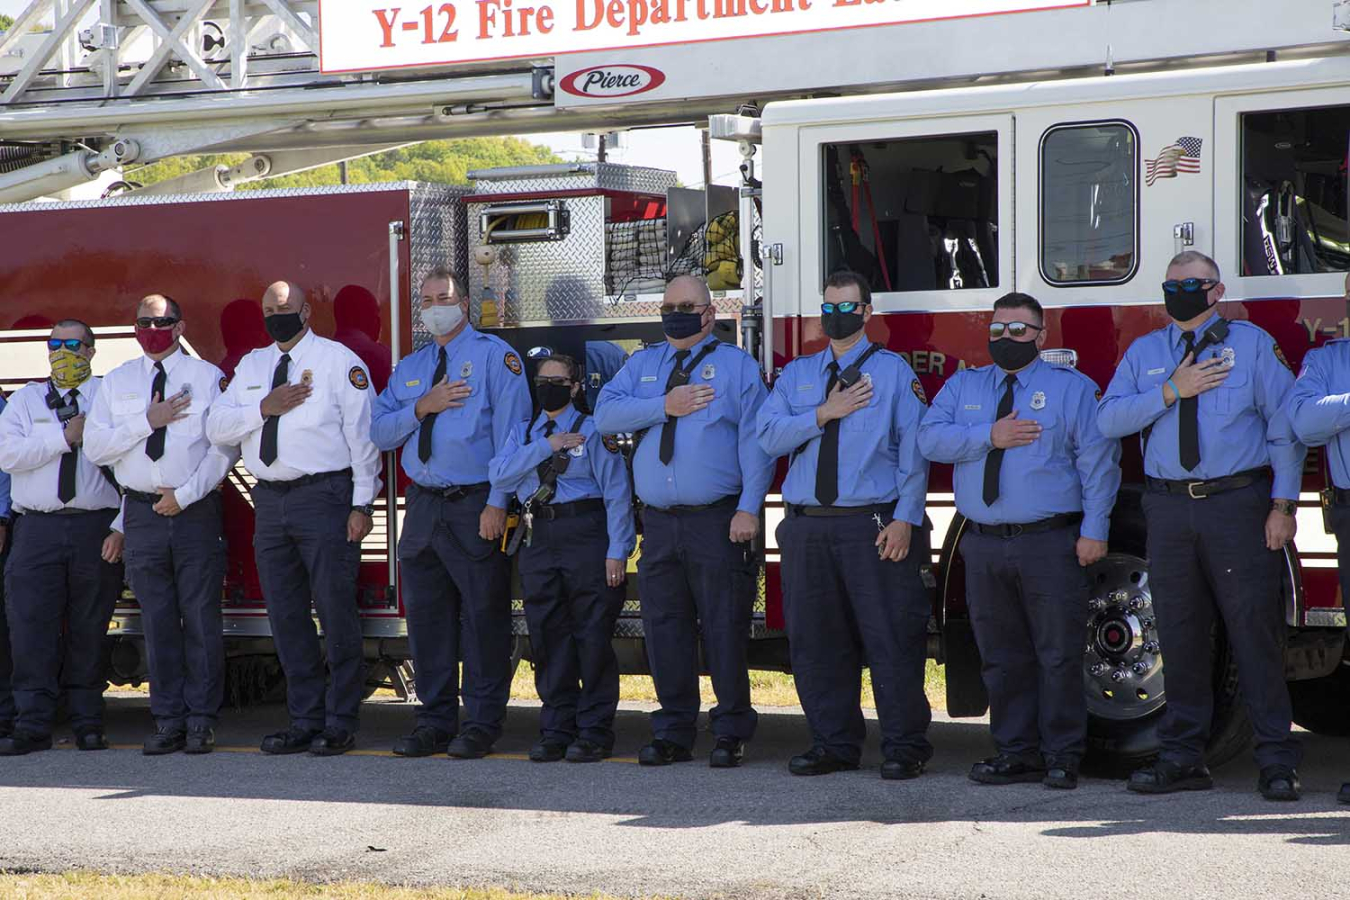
<point x="1013" y="530"/>
<point x="1190" y="490"/>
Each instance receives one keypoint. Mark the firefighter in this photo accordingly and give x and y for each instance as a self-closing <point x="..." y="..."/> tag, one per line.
<point x="1319" y="411"/>
<point x="1036" y="482"/>
<point x="149" y="423"/>
<point x="854" y="538"/>
<point x="1207" y="395"/>
<point x="451" y="406"/>
<point x="300" y="409"/>
<point x="64" y="572"/>
<point x="702" y="483"/>
<point x="577" y="521"/>
<point x="6" y="662"/>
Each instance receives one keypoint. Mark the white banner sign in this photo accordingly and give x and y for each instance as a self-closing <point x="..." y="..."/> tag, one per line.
<point x="367" y="35"/>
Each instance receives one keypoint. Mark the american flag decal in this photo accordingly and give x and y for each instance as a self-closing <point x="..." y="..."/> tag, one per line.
<point x="1181" y="156"/>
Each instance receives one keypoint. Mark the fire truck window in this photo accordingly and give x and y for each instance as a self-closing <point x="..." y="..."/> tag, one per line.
<point x="1294" y="191"/>
<point x="918" y="214"/>
<point x="1089" y="204"/>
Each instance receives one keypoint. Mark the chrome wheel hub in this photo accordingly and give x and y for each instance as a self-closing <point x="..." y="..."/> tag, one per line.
<point x="1122" y="665"/>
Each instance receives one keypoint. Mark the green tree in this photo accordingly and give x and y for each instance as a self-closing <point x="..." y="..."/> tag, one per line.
<point x="6" y="23"/>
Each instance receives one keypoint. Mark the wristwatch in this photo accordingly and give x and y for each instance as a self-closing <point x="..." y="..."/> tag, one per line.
<point x="366" y="510"/>
<point x="1283" y="506"/>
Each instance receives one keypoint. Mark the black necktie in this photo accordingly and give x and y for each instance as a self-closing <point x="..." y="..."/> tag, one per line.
<point x="544" y="466"/>
<point x="429" y="423"/>
<point x="268" y="451"/>
<point x="1188" y="430"/>
<point x="70" y="461"/>
<point x="994" y="461"/>
<point x="154" y="447"/>
<point x="827" y="463"/>
<point x="677" y="377"/>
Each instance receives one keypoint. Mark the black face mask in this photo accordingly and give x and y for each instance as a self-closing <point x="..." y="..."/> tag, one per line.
<point x="281" y="327"/>
<point x="553" y="397"/>
<point x="1010" y="355"/>
<point x="839" y="325"/>
<point x="1186" y="305"/>
<point x="680" y="325"/>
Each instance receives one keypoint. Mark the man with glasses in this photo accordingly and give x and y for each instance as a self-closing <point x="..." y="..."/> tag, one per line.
<point x="64" y="574"/>
<point x="1036" y="482"/>
<point x="854" y="538"/>
<point x="451" y="406"/>
<point x="300" y="410"/>
<point x="1207" y="396"/>
<point x="149" y="423"/>
<point x="691" y="404"/>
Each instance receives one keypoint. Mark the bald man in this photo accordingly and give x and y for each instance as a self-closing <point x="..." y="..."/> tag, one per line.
<point x="300" y="411"/>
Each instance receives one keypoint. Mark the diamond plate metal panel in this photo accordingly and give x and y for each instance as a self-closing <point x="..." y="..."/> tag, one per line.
<point x="574" y="177"/>
<point x="226" y="197"/>
<point x="439" y="237"/>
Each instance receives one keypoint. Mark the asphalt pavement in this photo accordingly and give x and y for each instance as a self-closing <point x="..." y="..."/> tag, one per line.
<point x="683" y="831"/>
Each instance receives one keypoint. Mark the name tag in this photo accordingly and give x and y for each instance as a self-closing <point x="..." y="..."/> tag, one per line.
<point x="42" y="421"/>
<point x="806" y="387"/>
<point x="648" y="377"/>
<point x="414" y="383"/>
<point x="131" y="396"/>
<point x="1157" y="371"/>
<point x="253" y="387"/>
<point x="972" y="406"/>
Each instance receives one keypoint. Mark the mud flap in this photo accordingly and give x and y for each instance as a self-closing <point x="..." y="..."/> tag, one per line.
<point x="966" y="695"/>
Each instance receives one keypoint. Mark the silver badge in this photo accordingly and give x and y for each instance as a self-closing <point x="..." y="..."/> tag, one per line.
<point x="1229" y="356"/>
<point x="1038" y="400"/>
<point x="466" y="370"/>
<point x="597" y="381"/>
<point x="577" y="451"/>
<point x="709" y="372"/>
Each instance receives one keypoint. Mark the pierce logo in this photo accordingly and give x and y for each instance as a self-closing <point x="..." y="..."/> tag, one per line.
<point x="613" y="81"/>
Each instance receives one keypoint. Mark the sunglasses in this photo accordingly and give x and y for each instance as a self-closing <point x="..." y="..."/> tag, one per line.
<point x="668" y="308"/>
<point x="72" y="344"/>
<point x="1014" y="329"/>
<point x="1189" y="285"/>
<point x="850" y="306"/>
<point x="156" y="322"/>
<point x="542" y="380"/>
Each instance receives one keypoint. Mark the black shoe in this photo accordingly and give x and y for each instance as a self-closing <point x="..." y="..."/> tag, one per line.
<point x="1279" y="783"/>
<point x="1343" y="796"/>
<point x="1165" y="777"/>
<point x="425" y="740"/>
<point x="91" y="739"/>
<point x="332" y="742"/>
<point x="901" y="769"/>
<point x="1064" y="778"/>
<point x="200" y="740"/>
<point x="292" y="740"/>
<point x="6" y="728"/>
<point x="548" y="750"/>
<point x="472" y="744"/>
<point x="727" y="754"/>
<point x="165" y="740"/>
<point x="662" y="753"/>
<point x="584" y="751"/>
<point x="819" y="761"/>
<point x="1006" y="769"/>
<point x="21" y="743"/>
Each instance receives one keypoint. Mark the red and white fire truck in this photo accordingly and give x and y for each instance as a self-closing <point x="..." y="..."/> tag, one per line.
<point x="953" y="150"/>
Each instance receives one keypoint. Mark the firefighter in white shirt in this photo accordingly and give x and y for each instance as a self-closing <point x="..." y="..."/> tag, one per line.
<point x="300" y="409"/>
<point x="149" y="423"/>
<point x="65" y="564"/>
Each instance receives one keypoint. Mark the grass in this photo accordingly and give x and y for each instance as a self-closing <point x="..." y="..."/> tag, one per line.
<point x="91" y="886"/>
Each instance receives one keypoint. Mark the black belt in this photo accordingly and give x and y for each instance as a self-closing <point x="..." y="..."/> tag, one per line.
<point x="142" y="496"/>
<point x="874" y="509"/>
<point x="1341" y="496"/>
<point x="458" y="492"/>
<point x="1063" y="520"/>
<point x="303" y="480"/>
<point x="1199" y="490"/>
<point x="67" y="511"/>
<point x="564" y="510"/>
<point x="703" y="507"/>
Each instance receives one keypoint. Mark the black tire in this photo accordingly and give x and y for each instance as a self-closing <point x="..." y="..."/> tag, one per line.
<point x="254" y="681"/>
<point x="1322" y="705"/>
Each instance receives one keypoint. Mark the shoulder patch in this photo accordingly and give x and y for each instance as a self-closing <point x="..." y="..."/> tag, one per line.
<point x="611" y="443"/>
<point x="357" y="376"/>
<point x="224" y="383"/>
<point x="513" y="363"/>
<point x="1279" y="354"/>
<point x="918" y="391"/>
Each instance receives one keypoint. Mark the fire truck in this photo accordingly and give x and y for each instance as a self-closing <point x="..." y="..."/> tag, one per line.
<point x="950" y="150"/>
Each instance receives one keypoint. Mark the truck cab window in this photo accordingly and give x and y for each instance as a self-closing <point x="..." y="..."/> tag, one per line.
<point x="1089" y="204"/>
<point x="918" y="214"/>
<point x="1294" y="217"/>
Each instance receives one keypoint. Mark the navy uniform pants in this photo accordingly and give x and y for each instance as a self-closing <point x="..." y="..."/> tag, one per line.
<point x="457" y="595"/>
<point x="176" y="567"/>
<point x="846" y="608"/>
<point x="56" y="575"/>
<point x="306" y="565"/>
<point x="1028" y="602"/>
<point x="6" y="661"/>
<point x="571" y="612"/>
<point x="1205" y="555"/>
<point x="695" y="582"/>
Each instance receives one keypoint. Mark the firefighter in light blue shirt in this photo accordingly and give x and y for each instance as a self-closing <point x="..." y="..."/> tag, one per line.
<point x="1036" y="481"/>
<point x="854" y="538"/>
<point x="1207" y="396"/>
<point x="6" y="665"/>
<point x="691" y="403"/>
<point x="452" y="406"/>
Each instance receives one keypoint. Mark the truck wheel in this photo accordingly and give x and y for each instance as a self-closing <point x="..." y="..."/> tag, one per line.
<point x="377" y="675"/>
<point x="1322" y="705"/>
